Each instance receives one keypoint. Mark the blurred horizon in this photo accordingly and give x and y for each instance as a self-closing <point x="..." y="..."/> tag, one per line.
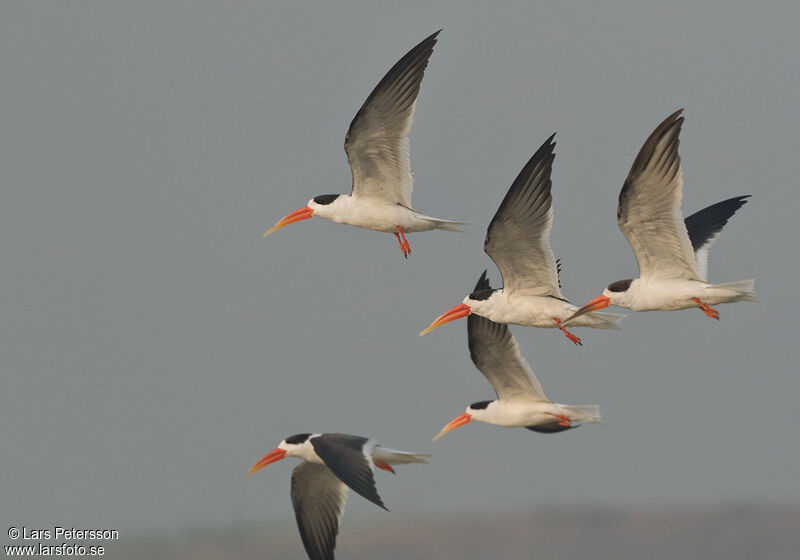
<point x="730" y="532"/>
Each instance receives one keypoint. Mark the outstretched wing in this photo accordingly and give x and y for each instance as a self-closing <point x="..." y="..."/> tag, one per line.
<point x="377" y="141"/>
<point x="495" y="353"/>
<point x="705" y="226"/>
<point x="350" y="459"/>
<point x="318" y="498"/>
<point x="518" y="238"/>
<point x="649" y="210"/>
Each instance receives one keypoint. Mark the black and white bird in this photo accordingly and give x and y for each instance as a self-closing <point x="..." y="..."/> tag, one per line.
<point x="518" y="241"/>
<point x="521" y="402"/>
<point x="378" y="152"/>
<point x="672" y="253"/>
<point x="332" y="463"/>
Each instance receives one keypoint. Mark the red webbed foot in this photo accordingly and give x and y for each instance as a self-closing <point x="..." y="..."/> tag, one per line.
<point x="574" y="339"/>
<point x="401" y="241"/>
<point x="713" y="313"/>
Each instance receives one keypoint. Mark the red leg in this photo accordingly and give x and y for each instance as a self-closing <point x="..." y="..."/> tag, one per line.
<point x="400" y="243"/>
<point x="384" y="466"/>
<point x="562" y="420"/>
<point x="574" y="339"/>
<point x="404" y="246"/>
<point x="713" y="313"/>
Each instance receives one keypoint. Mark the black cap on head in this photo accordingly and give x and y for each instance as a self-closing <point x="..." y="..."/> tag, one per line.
<point x="325" y="199"/>
<point x="620" y="285"/>
<point x="480" y="405"/>
<point x="297" y="439"/>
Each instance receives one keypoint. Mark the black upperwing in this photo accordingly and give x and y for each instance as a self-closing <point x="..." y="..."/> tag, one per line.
<point x="705" y="225"/>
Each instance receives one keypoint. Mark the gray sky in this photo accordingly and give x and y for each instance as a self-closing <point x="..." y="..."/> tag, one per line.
<point x="154" y="345"/>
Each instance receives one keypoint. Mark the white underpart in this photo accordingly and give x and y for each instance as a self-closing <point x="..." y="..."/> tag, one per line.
<point x="537" y="311"/>
<point x="521" y="412"/>
<point x="378" y="215"/>
<point x="657" y="294"/>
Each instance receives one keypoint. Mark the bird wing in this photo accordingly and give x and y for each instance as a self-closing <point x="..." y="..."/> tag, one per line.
<point x="495" y="353"/>
<point x="318" y="498"/>
<point x="377" y="141"/>
<point x="704" y="226"/>
<point x="518" y="238"/>
<point x="350" y="459"/>
<point x="649" y="210"/>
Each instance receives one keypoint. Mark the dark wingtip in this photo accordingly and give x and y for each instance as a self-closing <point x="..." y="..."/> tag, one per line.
<point x="546" y="148"/>
<point x="670" y="162"/>
<point x="433" y="37"/>
<point x="704" y="225"/>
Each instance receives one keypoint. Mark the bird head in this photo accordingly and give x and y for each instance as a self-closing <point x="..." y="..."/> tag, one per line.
<point x="477" y="411"/>
<point x="618" y="293"/>
<point x="322" y="205"/>
<point x="297" y="445"/>
<point x="479" y="300"/>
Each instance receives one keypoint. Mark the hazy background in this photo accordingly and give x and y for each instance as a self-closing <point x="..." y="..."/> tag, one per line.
<point x="154" y="345"/>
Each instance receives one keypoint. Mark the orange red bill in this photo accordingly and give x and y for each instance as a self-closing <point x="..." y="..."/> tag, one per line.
<point x="600" y="302"/>
<point x="275" y="455"/>
<point x="456" y="422"/>
<point x="300" y="214"/>
<point x="460" y="310"/>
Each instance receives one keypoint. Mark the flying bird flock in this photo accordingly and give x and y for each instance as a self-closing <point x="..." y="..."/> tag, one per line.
<point x="671" y="253"/>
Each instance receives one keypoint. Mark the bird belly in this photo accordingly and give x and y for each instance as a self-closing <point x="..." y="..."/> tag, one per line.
<point x="531" y="311"/>
<point x="667" y="295"/>
<point x="521" y="414"/>
<point x="368" y="214"/>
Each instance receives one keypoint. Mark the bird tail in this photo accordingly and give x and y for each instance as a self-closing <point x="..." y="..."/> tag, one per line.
<point x="447" y="225"/>
<point x="745" y="288"/>
<point x="584" y="413"/>
<point x="395" y="457"/>
<point x="600" y="320"/>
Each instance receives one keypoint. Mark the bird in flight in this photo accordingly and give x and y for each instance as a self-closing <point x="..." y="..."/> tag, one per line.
<point x="332" y="463"/>
<point x="518" y="241"/>
<point x="378" y="153"/>
<point x="672" y="253"/>
<point x="521" y="401"/>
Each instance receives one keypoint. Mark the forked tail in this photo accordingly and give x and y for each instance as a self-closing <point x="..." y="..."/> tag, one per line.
<point x="745" y="288"/>
<point x="447" y="225"/>
<point x="395" y="457"/>
<point x="599" y="320"/>
<point x="589" y="413"/>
